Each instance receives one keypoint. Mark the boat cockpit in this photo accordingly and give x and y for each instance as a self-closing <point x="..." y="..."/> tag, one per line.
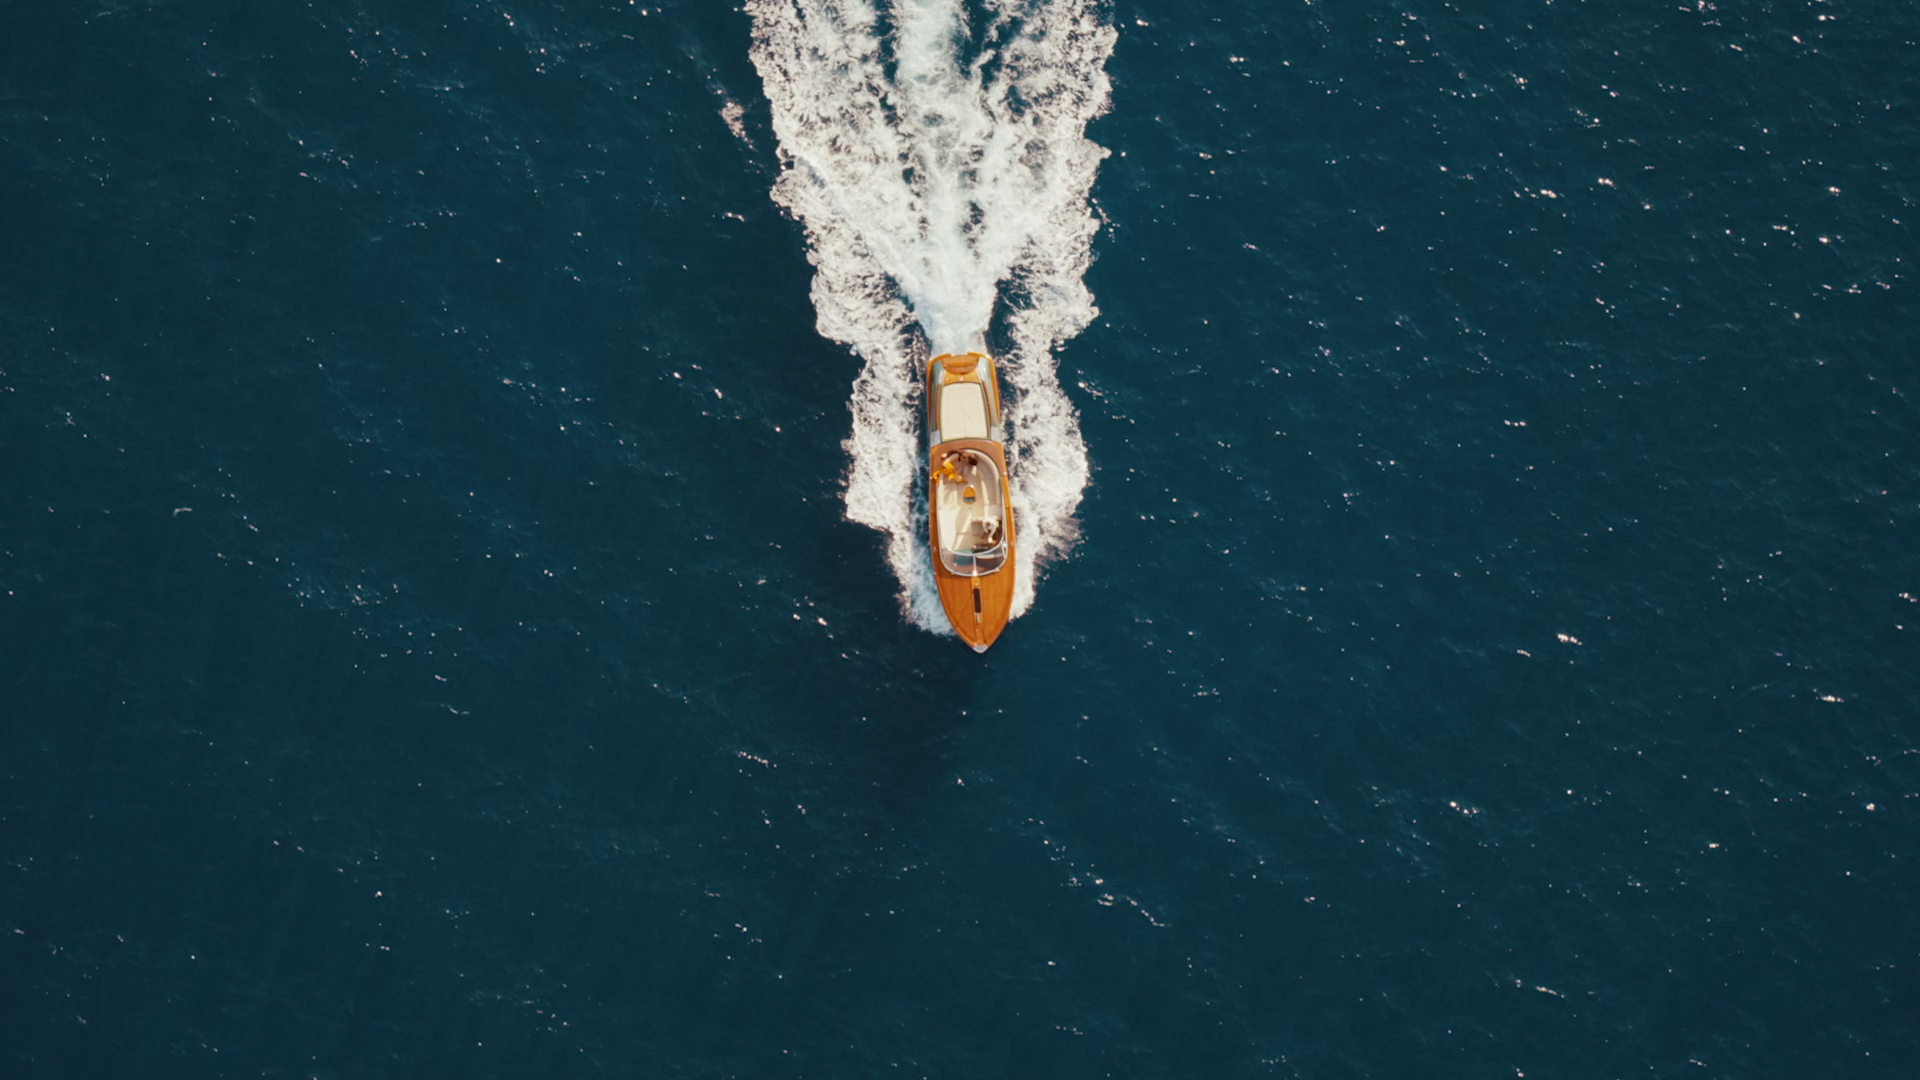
<point x="969" y="501"/>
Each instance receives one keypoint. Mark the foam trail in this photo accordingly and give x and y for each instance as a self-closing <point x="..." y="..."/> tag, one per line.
<point x="942" y="172"/>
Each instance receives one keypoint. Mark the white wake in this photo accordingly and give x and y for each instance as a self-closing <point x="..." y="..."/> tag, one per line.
<point x="941" y="168"/>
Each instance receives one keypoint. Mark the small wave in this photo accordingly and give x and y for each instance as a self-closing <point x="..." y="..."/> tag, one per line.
<point x="942" y="172"/>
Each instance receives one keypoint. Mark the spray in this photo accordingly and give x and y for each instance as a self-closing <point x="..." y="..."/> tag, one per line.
<point x="942" y="172"/>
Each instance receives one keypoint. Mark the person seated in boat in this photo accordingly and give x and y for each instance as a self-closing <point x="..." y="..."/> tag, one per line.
<point x="946" y="471"/>
<point x="986" y="534"/>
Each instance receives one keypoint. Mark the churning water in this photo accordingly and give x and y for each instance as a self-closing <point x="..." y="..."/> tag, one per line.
<point x="941" y="167"/>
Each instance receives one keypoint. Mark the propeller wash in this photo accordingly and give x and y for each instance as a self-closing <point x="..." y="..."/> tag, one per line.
<point x="942" y="171"/>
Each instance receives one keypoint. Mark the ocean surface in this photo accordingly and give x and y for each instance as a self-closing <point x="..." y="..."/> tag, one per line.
<point x="461" y="612"/>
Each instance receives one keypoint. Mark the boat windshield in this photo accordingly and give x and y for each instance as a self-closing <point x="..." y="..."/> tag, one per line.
<point x="969" y="504"/>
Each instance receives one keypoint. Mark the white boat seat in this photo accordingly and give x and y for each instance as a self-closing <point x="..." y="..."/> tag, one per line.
<point x="963" y="411"/>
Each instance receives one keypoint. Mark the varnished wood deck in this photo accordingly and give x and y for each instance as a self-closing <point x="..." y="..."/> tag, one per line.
<point x="978" y="629"/>
<point x="978" y="624"/>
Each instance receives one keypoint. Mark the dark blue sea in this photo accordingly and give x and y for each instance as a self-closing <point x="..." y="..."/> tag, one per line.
<point x="438" y="637"/>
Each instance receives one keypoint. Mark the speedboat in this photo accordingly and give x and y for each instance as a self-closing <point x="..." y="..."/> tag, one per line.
<point x="969" y="507"/>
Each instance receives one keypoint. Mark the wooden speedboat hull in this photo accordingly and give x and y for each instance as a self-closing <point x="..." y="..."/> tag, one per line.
<point x="969" y="498"/>
<point x="978" y="605"/>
